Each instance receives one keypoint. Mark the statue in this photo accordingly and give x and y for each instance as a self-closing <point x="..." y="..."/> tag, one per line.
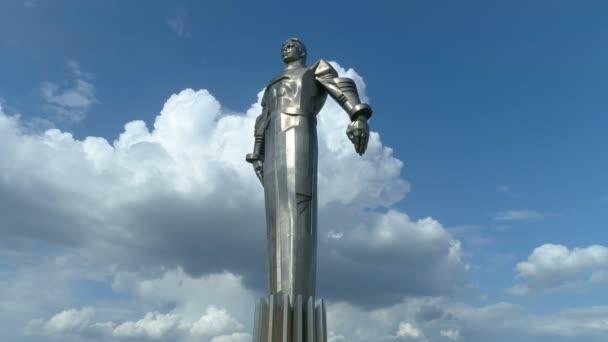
<point x="284" y="159"/>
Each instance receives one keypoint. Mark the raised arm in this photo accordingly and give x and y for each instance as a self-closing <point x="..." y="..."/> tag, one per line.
<point x="344" y="91"/>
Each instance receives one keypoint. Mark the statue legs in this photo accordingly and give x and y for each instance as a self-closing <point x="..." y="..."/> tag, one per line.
<point x="290" y="188"/>
<point x="290" y="313"/>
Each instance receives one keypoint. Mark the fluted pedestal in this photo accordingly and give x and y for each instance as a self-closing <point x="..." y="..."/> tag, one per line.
<point x="279" y="320"/>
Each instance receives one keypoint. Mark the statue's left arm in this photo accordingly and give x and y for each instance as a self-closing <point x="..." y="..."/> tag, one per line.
<point x="344" y="91"/>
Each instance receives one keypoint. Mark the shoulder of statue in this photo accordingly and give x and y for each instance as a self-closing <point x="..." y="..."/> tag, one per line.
<point x="323" y="69"/>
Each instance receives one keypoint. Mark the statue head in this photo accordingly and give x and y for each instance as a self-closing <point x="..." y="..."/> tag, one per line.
<point x="292" y="50"/>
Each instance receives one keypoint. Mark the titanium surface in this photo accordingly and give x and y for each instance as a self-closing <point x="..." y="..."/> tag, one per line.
<point x="284" y="159"/>
<point x="278" y="320"/>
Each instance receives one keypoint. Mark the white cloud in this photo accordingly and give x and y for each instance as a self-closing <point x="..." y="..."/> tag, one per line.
<point x="578" y="323"/>
<point x="215" y="321"/>
<point x="70" y="103"/>
<point x="215" y="325"/>
<point x="159" y="197"/>
<point x="554" y="266"/>
<point x="452" y="334"/>
<point x="505" y="321"/>
<point x="153" y="326"/>
<point x="395" y="233"/>
<point x="407" y="330"/>
<point x="519" y="215"/>
<point x="190" y="296"/>
<point x="422" y="252"/>
<point x="68" y="321"/>
<point x="236" y="337"/>
<point x="454" y="321"/>
<point x="413" y="319"/>
<point x="332" y="337"/>
<point x="148" y="214"/>
<point x="179" y="22"/>
<point x="195" y="316"/>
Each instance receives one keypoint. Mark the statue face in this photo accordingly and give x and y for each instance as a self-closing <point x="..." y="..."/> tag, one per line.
<point x="292" y="51"/>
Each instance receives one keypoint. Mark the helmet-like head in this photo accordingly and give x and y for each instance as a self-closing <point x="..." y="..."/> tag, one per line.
<point x="292" y="50"/>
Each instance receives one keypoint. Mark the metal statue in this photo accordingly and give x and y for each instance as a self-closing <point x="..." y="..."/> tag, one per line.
<point x="284" y="158"/>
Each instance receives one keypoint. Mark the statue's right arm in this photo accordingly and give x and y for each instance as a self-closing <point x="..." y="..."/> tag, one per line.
<point x="257" y="157"/>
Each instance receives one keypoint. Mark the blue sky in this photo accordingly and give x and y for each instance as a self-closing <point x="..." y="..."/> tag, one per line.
<point x="496" y="110"/>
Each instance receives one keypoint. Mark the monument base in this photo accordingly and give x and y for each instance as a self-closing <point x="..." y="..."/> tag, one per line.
<point x="279" y="320"/>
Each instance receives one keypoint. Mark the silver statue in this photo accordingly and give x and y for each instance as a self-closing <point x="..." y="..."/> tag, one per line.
<point x="285" y="160"/>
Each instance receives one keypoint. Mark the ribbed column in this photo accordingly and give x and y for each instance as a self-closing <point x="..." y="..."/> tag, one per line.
<point x="278" y="320"/>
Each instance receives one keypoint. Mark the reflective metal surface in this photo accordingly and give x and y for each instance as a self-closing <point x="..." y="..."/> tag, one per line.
<point x="278" y="319"/>
<point x="284" y="158"/>
<point x="291" y="203"/>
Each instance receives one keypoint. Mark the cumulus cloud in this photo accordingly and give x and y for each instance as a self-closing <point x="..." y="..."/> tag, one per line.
<point x="145" y="217"/>
<point x="519" y="215"/>
<point x="150" y="213"/>
<point x="236" y="337"/>
<point x="68" y="321"/>
<point x="456" y="321"/>
<point x="413" y="319"/>
<point x="555" y="266"/>
<point x="408" y="331"/>
<point x="153" y="326"/>
<point x="181" y="194"/>
<point x="195" y="314"/>
<point x="214" y="321"/>
<point x="70" y="102"/>
<point x="451" y="334"/>
<point x="419" y="257"/>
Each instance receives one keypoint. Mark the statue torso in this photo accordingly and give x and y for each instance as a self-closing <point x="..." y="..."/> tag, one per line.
<point x="295" y="91"/>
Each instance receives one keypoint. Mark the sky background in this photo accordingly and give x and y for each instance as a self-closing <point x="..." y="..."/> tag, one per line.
<point x="478" y="213"/>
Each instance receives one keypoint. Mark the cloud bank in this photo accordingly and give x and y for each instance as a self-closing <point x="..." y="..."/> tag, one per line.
<point x="159" y="235"/>
<point x="178" y="195"/>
